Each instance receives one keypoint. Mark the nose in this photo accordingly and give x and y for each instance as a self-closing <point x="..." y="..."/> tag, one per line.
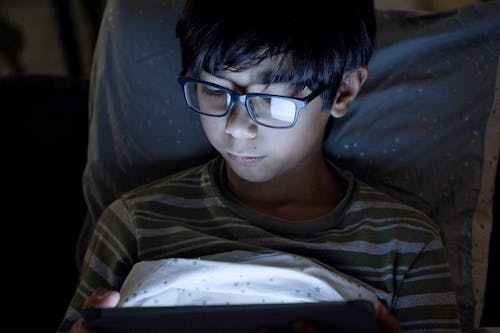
<point x="239" y="124"/>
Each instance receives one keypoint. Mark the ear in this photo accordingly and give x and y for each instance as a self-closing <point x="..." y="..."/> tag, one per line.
<point x="349" y="88"/>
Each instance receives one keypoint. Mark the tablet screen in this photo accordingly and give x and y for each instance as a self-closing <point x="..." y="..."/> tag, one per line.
<point x="340" y="316"/>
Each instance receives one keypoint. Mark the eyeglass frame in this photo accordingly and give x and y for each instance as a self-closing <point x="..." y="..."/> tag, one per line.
<point x="300" y="103"/>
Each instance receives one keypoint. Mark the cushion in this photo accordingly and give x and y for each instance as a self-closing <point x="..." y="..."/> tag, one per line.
<point x="424" y="129"/>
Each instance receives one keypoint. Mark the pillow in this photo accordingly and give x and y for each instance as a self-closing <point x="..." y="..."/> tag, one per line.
<point x="139" y="125"/>
<point x="424" y="128"/>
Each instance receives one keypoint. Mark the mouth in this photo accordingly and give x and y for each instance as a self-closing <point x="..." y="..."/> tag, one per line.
<point x="244" y="159"/>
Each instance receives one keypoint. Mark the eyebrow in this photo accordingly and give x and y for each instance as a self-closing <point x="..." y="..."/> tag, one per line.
<point x="265" y="77"/>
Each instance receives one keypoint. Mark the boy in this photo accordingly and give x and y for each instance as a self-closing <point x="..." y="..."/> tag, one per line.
<point x="266" y="80"/>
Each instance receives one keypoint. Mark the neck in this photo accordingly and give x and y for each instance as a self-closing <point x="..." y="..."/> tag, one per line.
<point x="311" y="191"/>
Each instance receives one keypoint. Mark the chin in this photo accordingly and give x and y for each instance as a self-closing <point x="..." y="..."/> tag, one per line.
<point x="247" y="174"/>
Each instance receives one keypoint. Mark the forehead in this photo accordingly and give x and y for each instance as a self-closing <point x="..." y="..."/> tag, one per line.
<point x="260" y="73"/>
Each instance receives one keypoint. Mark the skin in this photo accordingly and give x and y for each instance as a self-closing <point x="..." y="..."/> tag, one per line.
<point x="100" y="298"/>
<point x="288" y="178"/>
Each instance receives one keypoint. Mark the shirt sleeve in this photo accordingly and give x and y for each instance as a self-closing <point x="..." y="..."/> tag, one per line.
<point x="425" y="298"/>
<point x="108" y="259"/>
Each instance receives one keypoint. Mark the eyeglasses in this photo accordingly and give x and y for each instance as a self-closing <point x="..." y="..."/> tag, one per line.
<point x="267" y="110"/>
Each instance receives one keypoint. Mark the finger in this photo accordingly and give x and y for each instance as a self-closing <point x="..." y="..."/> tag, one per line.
<point x="301" y="326"/>
<point x="78" y="327"/>
<point x="386" y="321"/>
<point x="102" y="298"/>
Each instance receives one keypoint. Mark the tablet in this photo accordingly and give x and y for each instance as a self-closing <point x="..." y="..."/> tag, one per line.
<point x="340" y="316"/>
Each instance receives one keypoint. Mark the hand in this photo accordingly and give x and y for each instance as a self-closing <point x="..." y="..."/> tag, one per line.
<point x="100" y="298"/>
<point x="387" y="323"/>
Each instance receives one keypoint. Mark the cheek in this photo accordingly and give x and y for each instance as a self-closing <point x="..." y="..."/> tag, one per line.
<point x="311" y="128"/>
<point x="213" y="127"/>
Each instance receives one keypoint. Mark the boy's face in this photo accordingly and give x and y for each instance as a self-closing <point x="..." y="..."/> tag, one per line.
<point x="256" y="153"/>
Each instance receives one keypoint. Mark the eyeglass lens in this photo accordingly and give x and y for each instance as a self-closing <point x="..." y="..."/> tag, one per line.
<point x="267" y="110"/>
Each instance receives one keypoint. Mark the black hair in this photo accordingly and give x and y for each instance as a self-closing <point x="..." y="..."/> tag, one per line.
<point x="320" y="39"/>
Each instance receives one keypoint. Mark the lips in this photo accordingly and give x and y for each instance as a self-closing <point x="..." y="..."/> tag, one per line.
<point x="244" y="159"/>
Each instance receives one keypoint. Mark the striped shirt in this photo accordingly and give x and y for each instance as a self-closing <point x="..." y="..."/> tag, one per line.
<point x="392" y="247"/>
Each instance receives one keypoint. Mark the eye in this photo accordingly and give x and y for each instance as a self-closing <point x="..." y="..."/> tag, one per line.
<point x="212" y="91"/>
<point x="266" y="100"/>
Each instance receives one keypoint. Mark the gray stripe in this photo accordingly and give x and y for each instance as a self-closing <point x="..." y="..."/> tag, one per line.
<point x="82" y="294"/>
<point x="156" y="217"/>
<point x="400" y="277"/>
<point x="373" y="269"/>
<point x="104" y="272"/>
<point x="434" y="245"/>
<point x="397" y="221"/>
<point x="434" y="330"/>
<point x="361" y="205"/>
<point x="180" y="202"/>
<point x="363" y="189"/>
<point x="388" y="227"/>
<point x="428" y="277"/>
<point x="168" y="250"/>
<point x="167" y="187"/>
<point x="389" y="277"/>
<point x="429" y="267"/>
<point x="142" y="232"/>
<point x="145" y="232"/>
<point x="354" y="246"/>
<point x="86" y="288"/>
<point x="109" y="235"/>
<point x="122" y="213"/>
<point x="430" y="299"/>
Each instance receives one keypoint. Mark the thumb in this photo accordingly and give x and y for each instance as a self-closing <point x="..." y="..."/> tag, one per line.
<point x="103" y="298"/>
<point x="386" y="321"/>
